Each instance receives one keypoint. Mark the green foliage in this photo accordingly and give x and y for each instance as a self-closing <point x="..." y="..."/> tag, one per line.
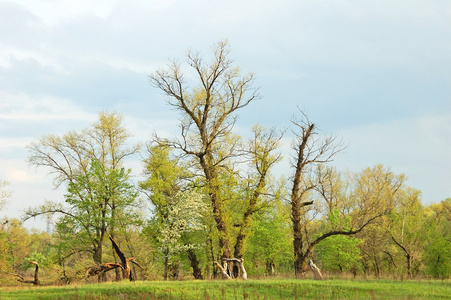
<point x="407" y="226"/>
<point x="270" y="244"/>
<point x="99" y="199"/>
<point x="38" y="257"/>
<point x="164" y="176"/>
<point x="17" y="243"/>
<point x="438" y="250"/>
<point x="94" y="196"/>
<point x="438" y="258"/>
<point x="339" y="253"/>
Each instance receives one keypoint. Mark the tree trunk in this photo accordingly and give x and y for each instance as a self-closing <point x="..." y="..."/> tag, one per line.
<point x="97" y="257"/>
<point x="377" y="270"/>
<point x="299" y="261"/>
<point x="100" y="270"/>
<point x="270" y="268"/>
<point x="166" y="263"/>
<point x="36" y="273"/>
<point x="216" y="202"/>
<point x="112" y="230"/>
<point x="239" y="263"/>
<point x="210" y="257"/>
<point x="409" y="265"/>
<point x="197" y="272"/>
<point x="300" y="255"/>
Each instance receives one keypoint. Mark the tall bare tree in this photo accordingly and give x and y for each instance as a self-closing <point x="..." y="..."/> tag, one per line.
<point x="311" y="151"/>
<point x="208" y="112"/>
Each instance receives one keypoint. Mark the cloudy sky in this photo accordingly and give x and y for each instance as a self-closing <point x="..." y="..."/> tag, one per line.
<point x="375" y="73"/>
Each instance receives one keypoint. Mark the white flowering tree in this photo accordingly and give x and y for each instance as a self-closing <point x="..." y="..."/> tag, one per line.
<point x="183" y="215"/>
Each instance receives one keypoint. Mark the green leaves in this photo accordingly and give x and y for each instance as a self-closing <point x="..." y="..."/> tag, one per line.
<point x="339" y="253"/>
<point x="99" y="196"/>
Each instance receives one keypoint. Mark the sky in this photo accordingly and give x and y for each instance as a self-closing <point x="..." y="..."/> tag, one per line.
<point x="376" y="74"/>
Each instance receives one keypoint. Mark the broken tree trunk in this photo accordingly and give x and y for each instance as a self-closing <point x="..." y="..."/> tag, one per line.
<point x="100" y="269"/>
<point x="316" y="271"/>
<point x="240" y="262"/>
<point x="223" y="270"/>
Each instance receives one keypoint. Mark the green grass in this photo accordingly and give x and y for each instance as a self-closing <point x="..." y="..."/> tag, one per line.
<point x="237" y="289"/>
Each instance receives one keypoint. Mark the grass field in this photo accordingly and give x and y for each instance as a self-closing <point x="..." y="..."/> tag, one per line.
<point x="251" y="289"/>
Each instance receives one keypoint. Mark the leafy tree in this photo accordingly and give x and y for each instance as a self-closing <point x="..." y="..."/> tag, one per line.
<point x="166" y="178"/>
<point x="270" y="246"/>
<point x="406" y="225"/>
<point x="376" y="249"/>
<point x="15" y="244"/>
<point x="437" y="254"/>
<point x="90" y="163"/>
<point x="338" y="253"/>
<point x="97" y="200"/>
<point x="438" y="258"/>
<point x="262" y="157"/>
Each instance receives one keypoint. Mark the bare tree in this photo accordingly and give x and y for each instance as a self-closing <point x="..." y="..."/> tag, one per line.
<point x="318" y="192"/>
<point x="311" y="151"/>
<point x="208" y="116"/>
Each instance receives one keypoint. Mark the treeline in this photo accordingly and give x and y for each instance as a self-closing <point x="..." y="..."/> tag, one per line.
<point x="210" y="206"/>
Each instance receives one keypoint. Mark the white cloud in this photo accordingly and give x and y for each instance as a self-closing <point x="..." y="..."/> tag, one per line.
<point x="418" y="147"/>
<point x="53" y="12"/>
<point x="40" y="108"/>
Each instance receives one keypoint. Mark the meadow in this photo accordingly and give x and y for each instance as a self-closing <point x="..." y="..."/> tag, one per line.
<point x="238" y="289"/>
